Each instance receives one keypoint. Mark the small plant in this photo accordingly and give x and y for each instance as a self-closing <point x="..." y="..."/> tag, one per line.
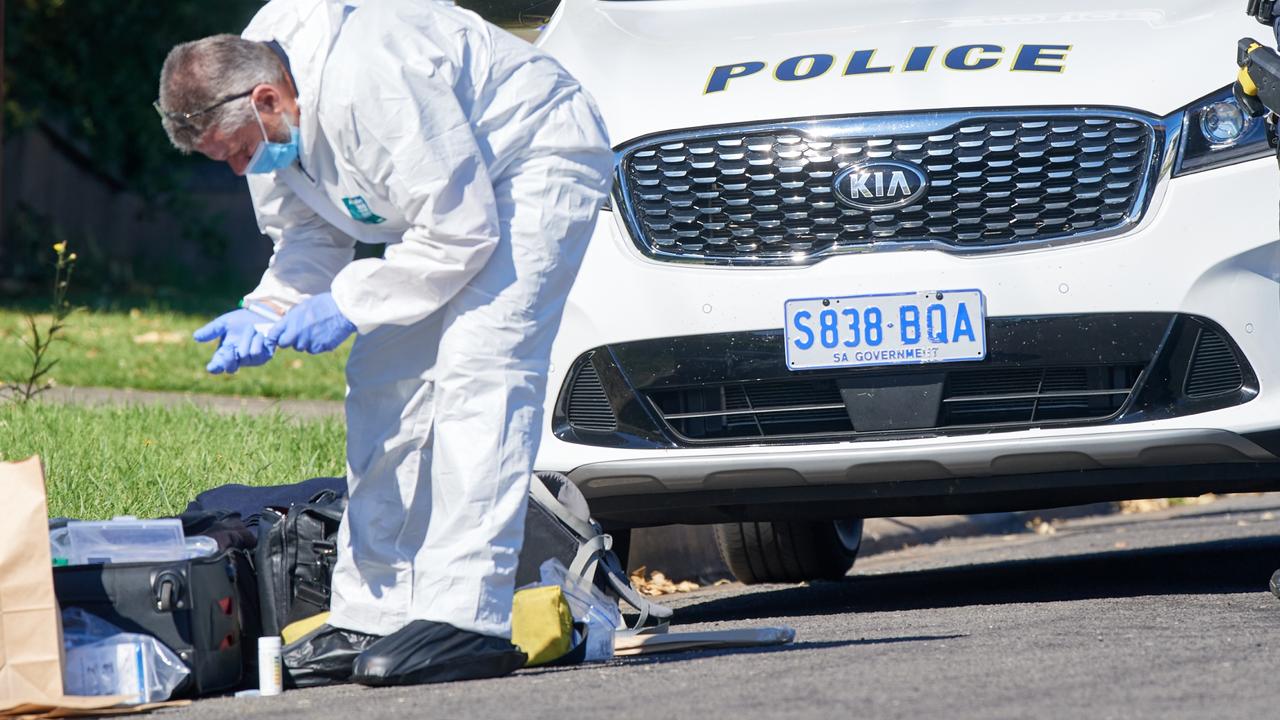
<point x="42" y="331"/>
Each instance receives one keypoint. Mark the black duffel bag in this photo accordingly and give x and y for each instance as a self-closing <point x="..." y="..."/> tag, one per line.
<point x="559" y="525"/>
<point x="297" y="549"/>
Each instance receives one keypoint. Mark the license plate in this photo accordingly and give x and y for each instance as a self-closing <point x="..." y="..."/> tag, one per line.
<point x="897" y="329"/>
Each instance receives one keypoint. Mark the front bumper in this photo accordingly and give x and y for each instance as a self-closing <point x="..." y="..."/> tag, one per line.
<point x="735" y="389"/>
<point x="1208" y="247"/>
<point x="927" y="477"/>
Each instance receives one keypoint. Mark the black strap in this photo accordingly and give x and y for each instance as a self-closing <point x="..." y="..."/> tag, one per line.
<point x="595" y="555"/>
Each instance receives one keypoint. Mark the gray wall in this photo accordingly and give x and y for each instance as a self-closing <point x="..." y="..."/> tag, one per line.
<point x="104" y="220"/>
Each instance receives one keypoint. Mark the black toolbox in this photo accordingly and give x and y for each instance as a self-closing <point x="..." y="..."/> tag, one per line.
<point x="204" y="609"/>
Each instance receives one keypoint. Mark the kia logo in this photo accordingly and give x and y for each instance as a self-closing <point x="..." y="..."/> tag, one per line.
<point x="880" y="184"/>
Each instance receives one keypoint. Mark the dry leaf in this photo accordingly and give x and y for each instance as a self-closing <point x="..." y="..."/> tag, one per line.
<point x="1131" y="507"/>
<point x="159" y="338"/>
<point x="1041" y="527"/>
<point x="1204" y="499"/>
<point x="658" y="584"/>
<point x="295" y="364"/>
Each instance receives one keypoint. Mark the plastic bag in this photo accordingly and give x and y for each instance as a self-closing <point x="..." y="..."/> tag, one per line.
<point x="102" y="659"/>
<point x="60" y="545"/>
<point x="590" y="606"/>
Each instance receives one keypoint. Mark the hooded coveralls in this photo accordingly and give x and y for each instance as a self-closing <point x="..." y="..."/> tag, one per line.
<point x="482" y="164"/>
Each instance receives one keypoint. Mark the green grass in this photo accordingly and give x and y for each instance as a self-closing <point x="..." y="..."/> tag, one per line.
<point x="153" y="350"/>
<point x="149" y="461"/>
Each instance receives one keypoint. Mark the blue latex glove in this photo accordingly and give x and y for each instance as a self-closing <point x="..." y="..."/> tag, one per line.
<point x="240" y="345"/>
<point x="314" y="325"/>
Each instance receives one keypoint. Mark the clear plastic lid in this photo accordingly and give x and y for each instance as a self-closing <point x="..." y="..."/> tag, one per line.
<point x="125" y="540"/>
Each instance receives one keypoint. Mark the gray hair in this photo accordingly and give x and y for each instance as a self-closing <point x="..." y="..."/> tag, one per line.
<point x="198" y="74"/>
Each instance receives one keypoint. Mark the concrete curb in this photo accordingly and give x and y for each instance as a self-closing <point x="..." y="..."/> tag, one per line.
<point x="230" y="404"/>
<point x="881" y="535"/>
<point x="689" y="552"/>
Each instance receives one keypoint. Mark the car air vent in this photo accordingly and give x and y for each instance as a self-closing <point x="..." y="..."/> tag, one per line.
<point x="1214" y="368"/>
<point x="975" y="397"/>
<point x="812" y="406"/>
<point x="589" y="407"/>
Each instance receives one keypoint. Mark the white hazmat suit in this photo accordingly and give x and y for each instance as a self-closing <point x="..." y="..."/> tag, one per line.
<point x="482" y="164"/>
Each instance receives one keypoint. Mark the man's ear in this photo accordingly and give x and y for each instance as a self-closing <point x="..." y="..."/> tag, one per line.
<point x="266" y="98"/>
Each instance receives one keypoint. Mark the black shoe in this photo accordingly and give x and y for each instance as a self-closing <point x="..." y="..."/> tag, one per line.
<point x="430" y="652"/>
<point x="323" y="656"/>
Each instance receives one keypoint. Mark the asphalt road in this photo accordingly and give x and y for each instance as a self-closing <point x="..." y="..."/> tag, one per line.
<point x="1160" y="615"/>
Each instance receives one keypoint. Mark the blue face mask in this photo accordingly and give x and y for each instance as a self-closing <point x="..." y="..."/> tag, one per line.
<point x="272" y="156"/>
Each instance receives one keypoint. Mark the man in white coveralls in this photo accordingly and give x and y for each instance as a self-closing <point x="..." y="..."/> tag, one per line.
<point x="482" y="164"/>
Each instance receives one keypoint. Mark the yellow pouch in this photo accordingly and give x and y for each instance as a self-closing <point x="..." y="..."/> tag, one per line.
<point x="296" y="630"/>
<point x="541" y="624"/>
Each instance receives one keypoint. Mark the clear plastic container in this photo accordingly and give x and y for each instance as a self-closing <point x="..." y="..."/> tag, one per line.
<point x="198" y="546"/>
<point x="270" y="677"/>
<point x="590" y="606"/>
<point x="125" y="540"/>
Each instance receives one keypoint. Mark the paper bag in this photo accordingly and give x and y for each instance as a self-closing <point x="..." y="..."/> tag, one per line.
<point x="30" y="641"/>
<point x="30" y="627"/>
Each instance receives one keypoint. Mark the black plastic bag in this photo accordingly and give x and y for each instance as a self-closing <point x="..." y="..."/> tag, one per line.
<point x="433" y="652"/>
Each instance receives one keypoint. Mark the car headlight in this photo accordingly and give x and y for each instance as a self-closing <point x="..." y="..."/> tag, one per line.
<point x="1216" y="132"/>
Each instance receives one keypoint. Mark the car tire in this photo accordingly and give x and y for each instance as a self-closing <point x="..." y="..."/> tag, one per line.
<point x="789" y="552"/>
<point x="621" y="545"/>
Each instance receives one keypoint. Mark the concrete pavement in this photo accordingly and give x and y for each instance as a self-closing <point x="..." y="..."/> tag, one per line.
<point x="1164" y="615"/>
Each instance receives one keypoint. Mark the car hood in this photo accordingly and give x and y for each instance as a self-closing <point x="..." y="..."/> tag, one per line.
<point x="652" y="64"/>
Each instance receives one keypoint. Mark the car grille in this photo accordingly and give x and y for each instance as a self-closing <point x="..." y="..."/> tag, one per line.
<point x="978" y="398"/>
<point x="759" y="195"/>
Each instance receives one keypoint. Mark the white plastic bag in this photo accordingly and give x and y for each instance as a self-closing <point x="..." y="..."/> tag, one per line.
<point x="60" y="544"/>
<point x="591" y="606"/>
<point x="102" y="659"/>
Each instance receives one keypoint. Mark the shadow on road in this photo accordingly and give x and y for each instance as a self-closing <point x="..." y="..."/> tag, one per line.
<point x="1224" y="566"/>
<point x="685" y="655"/>
<point x="667" y="658"/>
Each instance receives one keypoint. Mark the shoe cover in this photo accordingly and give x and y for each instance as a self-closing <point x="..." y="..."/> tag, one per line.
<point x="323" y="656"/>
<point x="430" y="652"/>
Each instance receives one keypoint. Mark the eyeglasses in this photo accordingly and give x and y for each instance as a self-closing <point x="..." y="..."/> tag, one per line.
<point x="183" y="119"/>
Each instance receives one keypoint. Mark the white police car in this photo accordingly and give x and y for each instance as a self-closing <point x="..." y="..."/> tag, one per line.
<point x="905" y="258"/>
